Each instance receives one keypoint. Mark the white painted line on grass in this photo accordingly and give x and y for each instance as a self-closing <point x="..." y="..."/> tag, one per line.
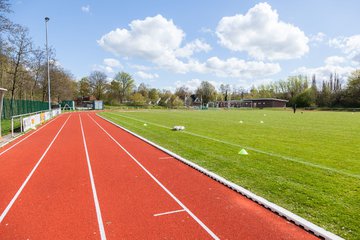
<point x="309" y="226"/>
<point x="161" y="185"/>
<point x="292" y="159"/>
<point x="7" y="209"/>
<point x="38" y="129"/>
<point x="161" y="158"/>
<point x="96" y="200"/>
<point x="167" y="213"/>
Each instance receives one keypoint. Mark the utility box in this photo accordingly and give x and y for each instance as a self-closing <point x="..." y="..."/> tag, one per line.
<point x="98" y="105"/>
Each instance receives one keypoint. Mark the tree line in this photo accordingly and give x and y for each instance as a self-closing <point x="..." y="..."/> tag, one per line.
<point x="298" y="90"/>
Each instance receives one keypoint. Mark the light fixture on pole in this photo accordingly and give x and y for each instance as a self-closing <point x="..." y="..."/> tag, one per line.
<point x="48" y="64"/>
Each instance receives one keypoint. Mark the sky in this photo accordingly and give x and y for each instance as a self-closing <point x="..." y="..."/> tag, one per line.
<point x="167" y="44"/>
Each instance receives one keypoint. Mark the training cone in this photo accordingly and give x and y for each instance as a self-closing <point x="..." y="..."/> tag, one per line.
<point x="243" y="152"/>
<point x="145" y="124"/>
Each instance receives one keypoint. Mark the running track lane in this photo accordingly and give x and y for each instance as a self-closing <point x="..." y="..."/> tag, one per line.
<point x="228" y="214"/>
<point x="18" y="158"/>
<point x="129" y="198"/>
<point x="57" y="202"/>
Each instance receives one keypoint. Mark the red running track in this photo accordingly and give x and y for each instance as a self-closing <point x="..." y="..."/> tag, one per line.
<point x="81" y="177"/>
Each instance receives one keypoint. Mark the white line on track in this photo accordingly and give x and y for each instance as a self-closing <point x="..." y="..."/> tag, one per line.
<point x="288" y="158"/>
<point x="167" y="213"/>
<point x="96" y="200"/>
<point x="27" y="137"/>
<point x="7" y="209"/>
<point x="161" y="158"/>
<point x="160" y="184"/>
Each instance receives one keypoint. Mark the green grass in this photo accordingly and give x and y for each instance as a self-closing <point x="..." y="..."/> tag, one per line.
<point x="6" y="126"/>
<point x="307" y="163"/>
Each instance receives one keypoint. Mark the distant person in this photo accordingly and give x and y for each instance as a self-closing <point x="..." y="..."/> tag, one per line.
<point x="294" y="108"/>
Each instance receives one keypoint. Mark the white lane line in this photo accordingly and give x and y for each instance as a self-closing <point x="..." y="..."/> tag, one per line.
<point x="167" y="213"/>
<point x="161" y="185"/>
<point x="161" y="158"/>
<point x="27" y="136"/>
<point x="7" y="209"/>
<point x="96" y="200"/>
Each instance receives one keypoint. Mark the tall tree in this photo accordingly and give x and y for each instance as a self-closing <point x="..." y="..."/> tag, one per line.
<point x="21" y="46"/>
<point x="154" y="96"/>
<point x="98" y="84"/>
<point x="143" y="90"/>
<point x="84" y="87"/>
<point x="127" y="85"/>
<point x="206" y="91"/>
<point x="37" y="68"/>
<point x="353" y="88"/>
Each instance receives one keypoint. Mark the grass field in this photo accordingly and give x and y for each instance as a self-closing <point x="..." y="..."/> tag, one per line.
<point x="6" y="126"/>
<point x="307" y="163"/>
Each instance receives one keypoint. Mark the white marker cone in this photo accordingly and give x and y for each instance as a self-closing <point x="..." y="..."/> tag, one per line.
<point x="243" y="152"/>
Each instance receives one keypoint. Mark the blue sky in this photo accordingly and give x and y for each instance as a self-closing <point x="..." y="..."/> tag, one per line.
<point x="170" y="43"/>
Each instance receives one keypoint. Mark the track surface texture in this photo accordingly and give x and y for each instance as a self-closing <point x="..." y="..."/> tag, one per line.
<point x="81" y="177"/>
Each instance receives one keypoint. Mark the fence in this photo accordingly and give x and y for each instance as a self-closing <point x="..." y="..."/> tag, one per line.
<point x="19" y="107"/>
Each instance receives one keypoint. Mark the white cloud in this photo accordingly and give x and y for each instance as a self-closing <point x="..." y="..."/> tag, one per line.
<point x="85" y="8"/>
<point x="239" y="68"/>
<point x="262" y="35"/>
<point x="140" y="67"/>
<point x="349" y="45"/>
<point x="318" y="38"/>
<point x="192" y="84"/>
<point x="144" y="75"/>
<point x="335" y="60"/>
<point x="109" y="66"/>
<point x="192" y="47"/>
<point x="155" y="39"/>
<point x="160" y="41"/>
<point x="148" y="39"/>
<point x="113" y="63"/>
<point x="323" y="72"/>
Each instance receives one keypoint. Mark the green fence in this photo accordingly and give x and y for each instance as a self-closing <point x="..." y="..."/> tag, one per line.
<point x="21" y="107"/>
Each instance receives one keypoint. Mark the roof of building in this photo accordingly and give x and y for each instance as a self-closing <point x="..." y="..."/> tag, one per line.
<point x="266" y="99"/>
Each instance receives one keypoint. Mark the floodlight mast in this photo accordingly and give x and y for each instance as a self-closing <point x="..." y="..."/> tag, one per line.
<point x="48" y="61"/>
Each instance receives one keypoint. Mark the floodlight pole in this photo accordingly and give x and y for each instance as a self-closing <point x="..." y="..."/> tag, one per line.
<point x="48" y="61"/>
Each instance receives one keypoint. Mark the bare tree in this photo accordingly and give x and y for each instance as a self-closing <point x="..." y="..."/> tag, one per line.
<point x="20" y="45"/>
<point x="5" y="23"/>
<point x="98" y="83"/>
<point x="37" y="61"/>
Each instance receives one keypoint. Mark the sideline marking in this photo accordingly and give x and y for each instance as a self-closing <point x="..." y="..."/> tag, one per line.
<point x="38" y="129"/>
<point x="167" y="213"/>
<point x="161" y="185"/>
<point x="7" y="209"/>
<point x="161" y="158"/>
<point x="96" y="200"/>
<point x="292" y="159"/>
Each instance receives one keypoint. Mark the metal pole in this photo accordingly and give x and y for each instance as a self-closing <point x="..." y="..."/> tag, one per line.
<point x="12" y="126"/>
<point x="48" y="64"/>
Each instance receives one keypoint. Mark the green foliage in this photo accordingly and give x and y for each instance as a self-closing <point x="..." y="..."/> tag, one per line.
<point x="206" y="92"/>
<point x="138" y="99"/>
<point x="84" y="87"/>
<point x="306" y="162"/>
<point x="124" y="87"/>
<point x="304" y="99"/>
